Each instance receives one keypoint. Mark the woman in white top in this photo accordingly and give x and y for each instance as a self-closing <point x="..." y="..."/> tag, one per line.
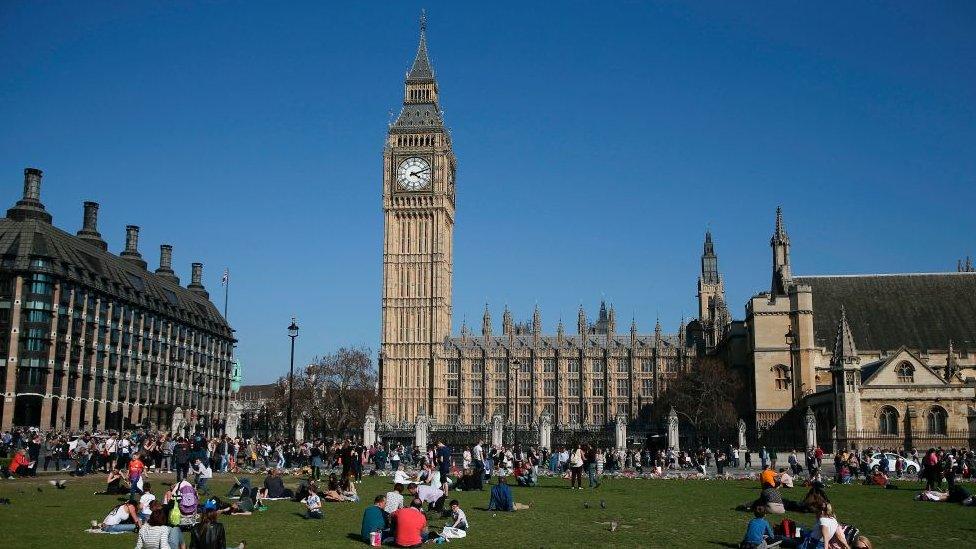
<point x="827" y="528"/>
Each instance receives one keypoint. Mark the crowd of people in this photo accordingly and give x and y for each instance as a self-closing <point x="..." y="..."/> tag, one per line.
<point x="185" y="513"/>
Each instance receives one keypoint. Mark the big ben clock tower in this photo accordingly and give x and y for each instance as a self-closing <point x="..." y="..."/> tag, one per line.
<point x="418" y="230"/>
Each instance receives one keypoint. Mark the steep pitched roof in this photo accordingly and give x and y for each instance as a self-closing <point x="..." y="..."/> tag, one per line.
<point x="920" y="311"/>
<point x="844" y="349"/>
<point x="77" y="260"/>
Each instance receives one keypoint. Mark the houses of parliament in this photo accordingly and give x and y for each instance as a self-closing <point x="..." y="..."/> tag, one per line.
<point x="879" y="358"/>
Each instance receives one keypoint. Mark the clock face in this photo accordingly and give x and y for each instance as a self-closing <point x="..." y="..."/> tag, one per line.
<point x="413" y="174"/>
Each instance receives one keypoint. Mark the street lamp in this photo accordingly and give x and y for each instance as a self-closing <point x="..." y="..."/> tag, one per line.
<point x="292" y="333"/>
<point x="790" y="340"/>
<point x="515" y="366"/>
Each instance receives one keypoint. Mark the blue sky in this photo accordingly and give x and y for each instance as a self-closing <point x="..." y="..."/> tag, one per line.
<point x="596" y="141"/>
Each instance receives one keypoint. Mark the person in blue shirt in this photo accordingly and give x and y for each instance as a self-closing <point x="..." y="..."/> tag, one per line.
<point x="373" y="518"/>
<point x="758" y="530"/>
<point x="501" y="497"/>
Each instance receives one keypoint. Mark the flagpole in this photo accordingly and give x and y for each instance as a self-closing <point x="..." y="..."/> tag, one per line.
<point x="226" y="290"/>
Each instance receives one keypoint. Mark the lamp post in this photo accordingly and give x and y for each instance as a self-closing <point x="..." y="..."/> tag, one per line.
<point x="292" y="333"/>
<point x="515" y="366"/>
<point x="790" y="339"/>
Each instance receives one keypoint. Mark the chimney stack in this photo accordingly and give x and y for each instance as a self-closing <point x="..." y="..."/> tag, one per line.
<point x="30" y="206"/>
<point x="89" y="230"/>
<point x="131" y="251"/>
<point x="166" y="263"/>
<point x="196" y="280"/>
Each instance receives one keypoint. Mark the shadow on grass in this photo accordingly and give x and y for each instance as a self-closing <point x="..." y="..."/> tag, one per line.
<point x="725" y="544"/>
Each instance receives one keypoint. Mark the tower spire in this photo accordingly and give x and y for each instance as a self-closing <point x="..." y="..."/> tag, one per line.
<point x="421" y="70"/>
<point x="844" y="350"/>
<point x="780" y="243"/>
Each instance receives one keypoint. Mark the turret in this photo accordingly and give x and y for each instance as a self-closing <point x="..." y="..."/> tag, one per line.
<point x="780" y="243"/>
<point x="29" y="206"/>
<point x="486" y="323"/>
<point x="89" y="226"/>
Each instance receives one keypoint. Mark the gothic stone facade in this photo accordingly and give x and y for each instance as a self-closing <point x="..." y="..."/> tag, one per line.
<point x="92" y="340"/>
<point x="885" y="359"/>
<point x="585" y="379"/>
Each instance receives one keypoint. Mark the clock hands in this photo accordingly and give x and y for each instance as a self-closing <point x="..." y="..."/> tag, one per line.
<point x="419" y="172"/>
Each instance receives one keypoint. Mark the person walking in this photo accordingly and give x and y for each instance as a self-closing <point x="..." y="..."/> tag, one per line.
<point x="576" y="460"/>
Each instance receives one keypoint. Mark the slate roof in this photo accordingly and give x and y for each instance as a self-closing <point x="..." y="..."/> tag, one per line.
<point x="420" y="116"/>
<point x="84" y="263"/>
<point x="920" y="311"/>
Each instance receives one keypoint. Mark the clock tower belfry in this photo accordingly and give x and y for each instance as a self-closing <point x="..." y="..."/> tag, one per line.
<point x="418" y="230"/>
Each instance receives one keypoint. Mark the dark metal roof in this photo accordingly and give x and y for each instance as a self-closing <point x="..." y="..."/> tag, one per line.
<point x="79" y="261"/>
<point x="419" y="116"/>
<point x="919" y="311"/>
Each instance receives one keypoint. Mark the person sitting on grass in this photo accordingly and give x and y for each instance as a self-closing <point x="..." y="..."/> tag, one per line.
<point x="458" y="519"/>
<point x="394" y="500"/>
<point x="524" y="475"/>
<point x="155" y="533"/>
<point x="209" y="534"/>
<point x="186" y="496"/>
<point x="827" y="530"/>
<point x="274" y="487"/>
<point x="122" y="518"/>
<point x="314" y="504"/>
<point x="114" y="484"/>
<point x="21" y="466"/>
<point x="758" y="531"/>
<point x="374" y="518"/>
<point x="500" y="498"/>
<point x="145" y="500"/>
<point x="785" y="479"/>
<point x="410" y="525"/>
<point x="348" y="488"/>
<point x="333" y="492"/>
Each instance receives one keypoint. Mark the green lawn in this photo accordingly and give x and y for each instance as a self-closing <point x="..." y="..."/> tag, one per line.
<point x="651" y="513"/>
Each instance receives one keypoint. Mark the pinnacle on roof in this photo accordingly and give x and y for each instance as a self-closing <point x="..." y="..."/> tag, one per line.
<point x="780" y="232"/>
<point x="844" y="350"/>
<point x="421" y="70"/>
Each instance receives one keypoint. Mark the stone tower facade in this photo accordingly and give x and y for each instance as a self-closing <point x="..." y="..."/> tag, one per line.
<point x="418" y="210"/>
<point x="713" y="314"/>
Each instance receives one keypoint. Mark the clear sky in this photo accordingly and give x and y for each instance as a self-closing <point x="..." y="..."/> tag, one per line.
<point x="596" y="141"/>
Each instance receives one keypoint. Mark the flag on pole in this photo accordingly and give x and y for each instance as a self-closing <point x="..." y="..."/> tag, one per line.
<point x="226" y="278"/>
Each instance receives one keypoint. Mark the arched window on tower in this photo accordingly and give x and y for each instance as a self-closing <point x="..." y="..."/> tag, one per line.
<point x="782" y="377"/>
<point x="906" y="372"/>
<point x="888" y="421"/>
<point x="938" y="420"/>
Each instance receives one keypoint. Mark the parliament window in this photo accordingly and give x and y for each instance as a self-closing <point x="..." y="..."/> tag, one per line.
<point x="452" y="388"/>
<point x="549" y="387"/>
<point x="477" y="387"/>
<point x="574" y="387"/>
<point x="478" y="367"/>
<point x="782" y="377"/>
<point x="938" y="420"/>
<point x="599" y="414"/>
<point x="453" y="366"/>
<point x="623" y="365"/>
<point x="623" y="387"/>
<point x="906" y="372"/>
<point x="501" y="387"/>
<point x="598" y="366"/>
<point x="574" y="412"/>
<point x="525" y="387"/>
<point x="452" y="412"/>
<point x="888" y="421"/>
<point x="500" y="366"/>
<point x="647" y="365"/>
<point x="647" y="387"/>
<point x="573" y="366"/>
<point x="477" y="414"/>
<point x="548" y="365"/>
<point x="524" y="414"/>
<point x="598" y="388"/>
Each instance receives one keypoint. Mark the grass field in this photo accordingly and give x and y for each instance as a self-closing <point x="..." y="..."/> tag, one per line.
<point x="651" y="513"/>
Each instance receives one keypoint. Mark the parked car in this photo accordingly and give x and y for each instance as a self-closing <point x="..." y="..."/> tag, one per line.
<point x="911" y="466"/>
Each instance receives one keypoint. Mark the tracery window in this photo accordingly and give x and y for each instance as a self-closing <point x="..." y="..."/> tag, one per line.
<point x="781" y="376"/>
<point x="906" y="372"/>
<point x="938" y="420"/>
<point x="888" y="421"/>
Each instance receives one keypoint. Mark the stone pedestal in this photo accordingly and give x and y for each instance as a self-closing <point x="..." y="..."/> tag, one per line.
<point x="420" y="432"/>
<point x="620" y="432"/>
<point x="811" y="428"/>
<point x="369" y="428"/>
<point x="234" y="411"/>
<point x="673" y="430"/>
<point x="545" y="431"/>
<point x="496" y="430"/>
